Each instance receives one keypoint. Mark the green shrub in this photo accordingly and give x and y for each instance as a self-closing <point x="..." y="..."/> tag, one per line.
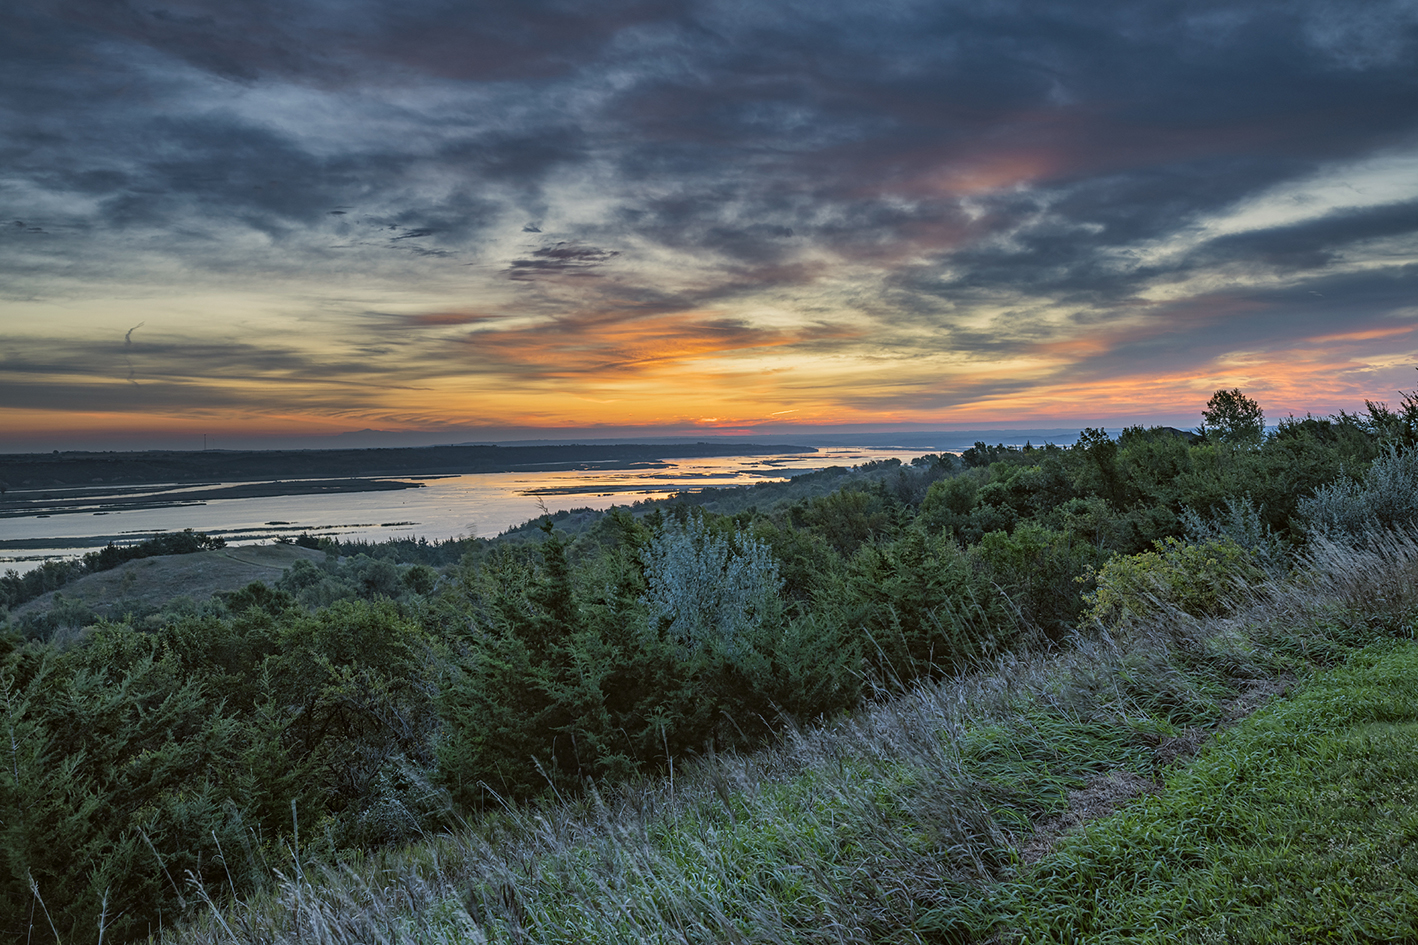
<point x="918" y="607"/>
<point x="1199" y="579"/>
<point x="357" y="682"/>
<point x="117" y="777"/>
<point x="1039" y="570"/>
<point x="1387" y="499"/>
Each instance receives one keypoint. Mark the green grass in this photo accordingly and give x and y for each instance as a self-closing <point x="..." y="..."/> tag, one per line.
<point x="1299" y="825"/>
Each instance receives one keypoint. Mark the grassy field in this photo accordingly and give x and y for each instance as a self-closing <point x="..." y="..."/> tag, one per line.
<point x="1056" y="797"/>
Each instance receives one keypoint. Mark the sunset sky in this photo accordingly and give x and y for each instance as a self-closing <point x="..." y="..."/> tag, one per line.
<point x="503" y="219"/>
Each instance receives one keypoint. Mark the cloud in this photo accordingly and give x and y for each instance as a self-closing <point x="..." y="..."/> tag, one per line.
<point x="605" y="346"/>
<point x="933" y="195"/>
<point x="561" y="259"/>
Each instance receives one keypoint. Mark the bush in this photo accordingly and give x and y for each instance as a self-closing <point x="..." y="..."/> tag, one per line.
<point x="64" y="614"/>
<point x="708" y="588"/>
<point x="1039" y="570"/>
<point x="1199" y="579"/>
<point x="1386" y="499"/>
<point x="1244" y="523"/>
<point x="185" y="542"/>
<point x="358" y="683"/>
<point x="918" y="608"/>
<point x="118" y="774"/>
<point x="16" y="588"/>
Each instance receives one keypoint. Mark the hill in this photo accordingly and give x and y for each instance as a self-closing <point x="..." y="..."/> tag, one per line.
<point x="150" y="583"/>
<point x="848" y="712"/>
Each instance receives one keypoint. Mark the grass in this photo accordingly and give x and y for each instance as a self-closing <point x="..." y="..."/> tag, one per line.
<point x="942" y="816"/>
<point x="1299" y="825"/>
<point x="149" y="583"/>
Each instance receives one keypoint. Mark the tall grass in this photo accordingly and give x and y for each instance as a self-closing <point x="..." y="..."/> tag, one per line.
<point x="900" y="824"/>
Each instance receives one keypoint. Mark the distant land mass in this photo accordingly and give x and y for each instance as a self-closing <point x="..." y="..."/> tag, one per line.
<point x="23" y="471"/>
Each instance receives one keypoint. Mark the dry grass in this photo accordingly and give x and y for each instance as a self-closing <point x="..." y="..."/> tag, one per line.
<point x="892" y="826"/>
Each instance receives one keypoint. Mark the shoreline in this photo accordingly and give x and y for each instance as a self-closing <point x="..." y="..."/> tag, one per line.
<point x="101" y="502"/>
<point x="37" y="471"/>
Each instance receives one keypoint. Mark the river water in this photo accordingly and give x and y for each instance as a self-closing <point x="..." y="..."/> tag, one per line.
<point x="455" y="506"/>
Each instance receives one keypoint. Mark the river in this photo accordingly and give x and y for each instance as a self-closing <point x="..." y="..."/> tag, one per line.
<point x="445" y="507"/>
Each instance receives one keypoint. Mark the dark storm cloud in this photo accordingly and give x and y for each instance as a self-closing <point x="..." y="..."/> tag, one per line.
<point x="262" y="177"/>
<point x="1060" y="250"/>
<point x="810" y="115"/>
<point x="1183" y="334"/>
<point x="1314" y="243"/>
<point x="171" y="357"/>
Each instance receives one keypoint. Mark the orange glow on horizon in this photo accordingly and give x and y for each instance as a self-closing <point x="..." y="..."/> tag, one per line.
<point x="607" y="347"/>
<point x="703" y="371"/>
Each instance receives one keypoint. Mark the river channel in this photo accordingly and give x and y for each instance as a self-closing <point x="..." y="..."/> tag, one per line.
<point x="444" y="507"/>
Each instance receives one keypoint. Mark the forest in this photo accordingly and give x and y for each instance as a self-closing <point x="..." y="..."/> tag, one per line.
<point x="159" y="762"/>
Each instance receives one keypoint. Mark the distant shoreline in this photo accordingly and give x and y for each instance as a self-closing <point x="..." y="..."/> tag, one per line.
<point x="30" y="472"/>
<point x="64" y="520"/>
<point x="42" y="503"/>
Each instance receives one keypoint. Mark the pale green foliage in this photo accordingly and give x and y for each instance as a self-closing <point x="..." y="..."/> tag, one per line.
<point x="1387" y="498"/>
<point x="709" y="588"/>
<point x="1243" y="523"/>
<point x="1200" y="579"/>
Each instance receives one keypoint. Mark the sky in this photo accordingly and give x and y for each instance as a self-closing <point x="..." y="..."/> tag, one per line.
<point x="293" y="220"/>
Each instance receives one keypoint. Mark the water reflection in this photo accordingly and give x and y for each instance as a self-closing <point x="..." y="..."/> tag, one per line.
<point x="445" y="507"/>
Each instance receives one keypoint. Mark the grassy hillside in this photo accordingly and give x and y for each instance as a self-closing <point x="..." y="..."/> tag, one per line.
<point x="150" y="584"/>
<point x="1298" y="825"/>
<point x="951" y="813"/>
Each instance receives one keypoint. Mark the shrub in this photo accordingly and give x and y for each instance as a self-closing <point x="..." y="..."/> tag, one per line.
<point x="1242" y="522"/>
<point x="357" y="683"/>
<point x="117" y="775"/>
<point x="420" y="579"/>
<point x="850" y="517"/>
<point x="1199" y="579"/>
<point x="1386" y="499"/>
<point x="918" y="607"/>
<point x="63" y="614"/>
<point x="316" y="585"/>
<point x="1039" y="570"/>
<point x="374" y="577"/>
<point x="706" y="587"/>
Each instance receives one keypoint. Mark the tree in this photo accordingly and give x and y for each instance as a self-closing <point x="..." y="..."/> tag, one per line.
<point x="1233" y="417"/>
